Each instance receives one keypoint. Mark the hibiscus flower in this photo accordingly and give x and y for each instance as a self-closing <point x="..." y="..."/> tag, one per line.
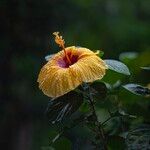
<point x="69" y="68"/>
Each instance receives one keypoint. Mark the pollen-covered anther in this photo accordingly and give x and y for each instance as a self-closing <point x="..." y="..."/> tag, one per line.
<point x="59" y="40"/>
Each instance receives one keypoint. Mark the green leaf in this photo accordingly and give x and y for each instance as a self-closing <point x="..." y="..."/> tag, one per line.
<point x="58" y="109"/>
<point x="100" y="53"/>
<point x="137" y="89"/>
<point x="84" y="107"/>
<point x="145" y="68"/>
<point x="117" y="66"/>
<point x="127" y="56"/>
<point x="139" y="138"/>
<point x="112" y="77"/>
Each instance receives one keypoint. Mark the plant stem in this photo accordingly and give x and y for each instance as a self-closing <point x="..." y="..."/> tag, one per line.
<point x="98" y="125"/>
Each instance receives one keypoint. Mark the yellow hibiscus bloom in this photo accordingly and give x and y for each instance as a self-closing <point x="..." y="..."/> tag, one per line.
<point x="69" y="68"/>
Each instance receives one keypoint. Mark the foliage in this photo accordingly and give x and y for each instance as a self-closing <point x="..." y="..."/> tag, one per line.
<point x="111" y="132"/>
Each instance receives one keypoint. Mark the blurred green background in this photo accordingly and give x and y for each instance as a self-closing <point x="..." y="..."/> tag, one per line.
<point x="114" y="26"/>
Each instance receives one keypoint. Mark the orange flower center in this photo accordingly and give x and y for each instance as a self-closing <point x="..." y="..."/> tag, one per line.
<point x="64" y="63"/>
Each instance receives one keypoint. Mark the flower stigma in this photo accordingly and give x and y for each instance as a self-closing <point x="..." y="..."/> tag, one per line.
<point x="61" y="42"/>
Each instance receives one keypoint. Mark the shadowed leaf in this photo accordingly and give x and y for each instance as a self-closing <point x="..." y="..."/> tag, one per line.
<point x="117" y="66"/>
<point x="139" y="138"/>
<point x="99" y="90"/>
<point x="58" y="109"/>
<point x="137" y="89"/>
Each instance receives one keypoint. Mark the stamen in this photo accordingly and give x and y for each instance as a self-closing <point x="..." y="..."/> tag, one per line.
<point x="60" y="41"/>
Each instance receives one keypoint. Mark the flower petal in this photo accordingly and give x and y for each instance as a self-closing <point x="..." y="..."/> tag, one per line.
<point x="90" y="68"/>
<point x="57" y="82"/>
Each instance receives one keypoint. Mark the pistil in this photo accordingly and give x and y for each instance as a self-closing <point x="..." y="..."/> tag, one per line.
<point x="68" y="59"/>
<point x="60" y="41"/>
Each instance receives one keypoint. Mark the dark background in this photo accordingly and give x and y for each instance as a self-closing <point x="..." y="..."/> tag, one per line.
<point x="113" y="26"/>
